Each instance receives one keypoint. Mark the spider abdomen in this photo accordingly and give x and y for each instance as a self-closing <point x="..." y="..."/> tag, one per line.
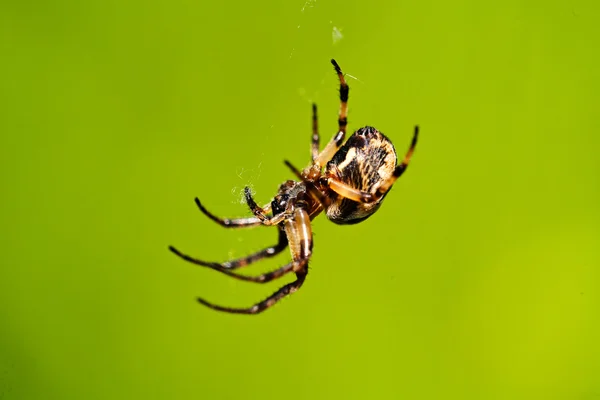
<point x="364" y="162"/>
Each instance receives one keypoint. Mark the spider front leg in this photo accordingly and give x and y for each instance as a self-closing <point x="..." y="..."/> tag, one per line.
<point x="299" y="233"/>
<point x="335" y="143"/>
<point x="260" y="212"/>
<point x="351" y="193"/>
<point x="232" y="223"/>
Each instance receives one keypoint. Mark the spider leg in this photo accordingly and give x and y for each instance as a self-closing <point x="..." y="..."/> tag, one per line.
<point x="403" y="165"/>
<point x="266" y="277"/>
<point x="240" y="262"/>
<point x="335" y="143"/>
<point x="295" y="170"/>
<point x="344" y="90"/>
<point x="263" y="305"/>
<point x="364" y="197"/>
<point x="315" y="133"/>
<point x="228" y="222"/>
<point x="260" y="212"/>
<point x="299" y="233"/>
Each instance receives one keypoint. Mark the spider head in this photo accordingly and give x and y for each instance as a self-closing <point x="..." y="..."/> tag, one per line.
<point x="287" y="190"/>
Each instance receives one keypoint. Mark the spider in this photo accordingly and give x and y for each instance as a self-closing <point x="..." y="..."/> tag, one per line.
<point x="357" y="176"/>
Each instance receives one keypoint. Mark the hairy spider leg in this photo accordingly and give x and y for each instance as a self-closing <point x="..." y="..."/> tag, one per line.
<point x="299" y="233"/>
<point x="240" y="262"/>
<point x="334" y="144"/>
<point x="228" y="222"/>
<point x="315" y="133"/>
<point x="364" y="197"/>
<point x="263" y="305"/>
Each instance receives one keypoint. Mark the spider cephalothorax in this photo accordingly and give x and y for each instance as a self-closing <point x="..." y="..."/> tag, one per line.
<point x="346" y="180"/>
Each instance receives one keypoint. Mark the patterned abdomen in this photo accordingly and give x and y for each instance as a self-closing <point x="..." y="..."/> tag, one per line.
<point x="367" y="159"/>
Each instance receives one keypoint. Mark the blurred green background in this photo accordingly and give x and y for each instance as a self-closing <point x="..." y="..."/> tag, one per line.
<point x="477" y="279"/>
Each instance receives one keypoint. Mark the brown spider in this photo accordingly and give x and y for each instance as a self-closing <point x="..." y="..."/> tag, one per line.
<point x="358" y="174"/>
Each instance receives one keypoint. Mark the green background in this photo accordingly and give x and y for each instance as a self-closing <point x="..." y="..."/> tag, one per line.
<point x="477" y="279"/>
